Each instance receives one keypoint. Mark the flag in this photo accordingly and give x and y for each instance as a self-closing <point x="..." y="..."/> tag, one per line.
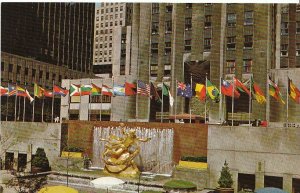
<point x="200" y="91"/>
<point x="12" y="90"/>
<point x="165" y="90"/>
<point x="227" y="89"/>
<point x="3" y="91"/>
<point x="171" y="99"/>
<point x="143" y="89"/>
<point x="57" y="90"/>
<point x="119" y="90"/>
<point x="95" y="90"/>
<point x="38" y="91"/>
<point x="154" y="94"/>
<point x="239" y="85"/>
<point x="48" y="93"/>
<point x="75" y="90"/>
<point x="258" y="94"/>
<point x="21" y="91"/>
<point x="212" y="91"/>
<point x="85" y="90"/>
<point x="130" y="89"/>
<point x="294" y="92"/>
<point x="107" y="90"/>
<point x="184" y="90"/>
<point x="28" y="96"/>
<point x="275" y="92"/>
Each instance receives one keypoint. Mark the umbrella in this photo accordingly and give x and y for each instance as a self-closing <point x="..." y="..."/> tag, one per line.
<point x="270" y="190"/>
<point x="106" y="182"/>
<point x="58" y="189"/>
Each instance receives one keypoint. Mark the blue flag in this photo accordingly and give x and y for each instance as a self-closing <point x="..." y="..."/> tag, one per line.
<point x="119" y="90"/>
<point x="184" y="90"/>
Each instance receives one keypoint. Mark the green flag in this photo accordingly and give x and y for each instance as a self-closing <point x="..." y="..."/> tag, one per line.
<point x="165" y="90"/>
<point x="212" y="91"/>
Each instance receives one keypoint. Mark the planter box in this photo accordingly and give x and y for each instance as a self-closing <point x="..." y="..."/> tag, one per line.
<point x="71" y="154"/>
<point x="225" y="190"/>
<point x="192" y="165"/>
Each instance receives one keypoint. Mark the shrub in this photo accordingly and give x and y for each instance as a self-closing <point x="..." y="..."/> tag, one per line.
<point x="179" y="184"/>
<point x="194" y="158"/>
<point x="40" y="160"/>
<point x="73" y="149"/>
<point x="225" y="180"/>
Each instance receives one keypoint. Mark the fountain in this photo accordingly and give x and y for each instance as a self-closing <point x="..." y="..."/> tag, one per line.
<point x="156" y="156"/>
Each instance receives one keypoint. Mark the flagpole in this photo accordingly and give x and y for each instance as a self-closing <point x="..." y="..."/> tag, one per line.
<point x="89" y="106"/>
<point x="190" y="102"/>
<point x="250" y="104"/>
<point x="7" y="105"/>
<point x="16" y="102"/>
<point x="19" y="109"/>
<point x="111" y="98"/>
<point x="101" y="100"/>
<point x="287" y="98"/>
<point x="232" y="102"/>
<point x="205" y="98"/>
<point x="24" y="105"/>
<point x="43" y="108"/>
<point x="124" y="101"/>
<point x="33" y="108"/>
<point x="221" y="104"/>
<point x="79" y="98"/>
<point x="162" y="102"/>
<point x="52" y="101"/>
<point x="175" y="101"/>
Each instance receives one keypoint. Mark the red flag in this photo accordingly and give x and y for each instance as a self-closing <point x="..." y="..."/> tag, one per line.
<point x="59" y="91"/>
<point x="107" y="90"/>
<point x="241" y="86"/>
<point x="130" y="89"/>
<point x="200" y="91"/>
<point x="227" y="89"/>
<point x="3" y="91"/>
<point x="48" y="93"/>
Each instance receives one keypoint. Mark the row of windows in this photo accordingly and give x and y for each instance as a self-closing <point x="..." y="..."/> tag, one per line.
<point x="284" y="49"/>
<point x="102" y="53"/>
<point x="109" y="10"/>
<point x="248" y="18"/>
<point x="108" y="24"/>
<point x="285" y="28"/>
<point x="103" y="45"/>
<point x="105" y="38"/>
<point x="110" y="17"/>
<point x="231" y="66"/>
<point x="285" y="8"/>
<point x="104" y="31"/>
<point x="102" y="60"/>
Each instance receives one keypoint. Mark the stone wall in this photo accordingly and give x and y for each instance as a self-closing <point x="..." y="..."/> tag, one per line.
<point x="189" y="139"/>
<point x="18" y="136"/>
<point x="271" y="151"/>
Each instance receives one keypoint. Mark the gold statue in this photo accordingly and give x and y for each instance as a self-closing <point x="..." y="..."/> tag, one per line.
<point x="119" y="153"/>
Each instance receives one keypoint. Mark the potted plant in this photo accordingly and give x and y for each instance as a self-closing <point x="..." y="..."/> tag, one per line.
<point x="225" y="181"/>
<point x="40" y="162"/>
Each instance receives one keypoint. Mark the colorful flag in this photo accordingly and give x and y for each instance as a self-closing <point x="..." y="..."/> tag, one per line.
<point x="239" y="85"/>
<point x="143" y="89"/>
<point x="107" y="90"/>
<point x="184" y="90"/>
<point x="48" y="93"/>
<point x="171" y="99"/>
<point x="275" y="92"/>
<point x="95" y="90"/>
<point x="85" y="89"/>
<point x="119" y="90"/>
<point x="258" y="94"/>
<point x="154" y="94"/>
<point x="294" y="92"/>
<point x="166" y="92"/>
<point x="3" y="91"/>
<point x="12" y="90"/>
<point x="75" y="90"/>
<point x="130" y="89"/>
<point x="227" y="89"/>
<point x="212" y="91"/>
<point x="57" y="90"/>
<point x="38" y="91"/>
<point x="20" y="89"/>
<point x="200" y="91"/>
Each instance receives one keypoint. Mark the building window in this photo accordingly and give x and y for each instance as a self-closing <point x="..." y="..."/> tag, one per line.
<point x="97" y="18"/>
<point x="102" y="18"/>
<point x="169" y="26"/>
<point x="188" y="5"/>
<point x="110" y="45"/>
<point x="153" y="69"/>
<point x="123" y="39"/>
<point x="298" y="7"/>
<point x="284" y="28"/>
<point x="207" y="44"/>
<point x="33" y="73"/>
<point x="231" y="19"/>
<point x="248" y="41"/>
<point x="10" y="67"/>
<point x="154" y="48"/>
<point x="110" y="52"/>
<point x="230" y="66"/>
<point x="41" y="75"/>
<point x="47" y="75"/>
<point x="117" y="9"/>
<point x="111" y="9"/>
<point x="155" y="27"/>
<point x="285" y="8"/>
<point x="169" y="8"/>
<point x="18" y="69"/>
<point x="111" y="23"/>
<point x="231" y="42"/>
<point x="298" y="49"/>
<point x="121" y="8"/>
<point x="284" y="50"/>
<point x="102" y="11"/>
<point x="155" y="8"/>
<point x="97" y="25"/>
<point x="120" y="22"/>
<point x="188" y="23"/>
<point x="247" y="65"/>
<point x="110" y="37"/>
<point x="248" y="18"/>
<point x="207" y="21"/>
<point x="188" y="45"/>
<point x="298" y="27"/>
<point x="116" y="16"/>
<point x="168" y="48"/>
<point x="121" y="15"/>
<point x="109" y="59"/>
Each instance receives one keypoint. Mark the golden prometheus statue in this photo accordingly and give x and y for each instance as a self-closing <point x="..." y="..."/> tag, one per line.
<point x="119" y="153"/>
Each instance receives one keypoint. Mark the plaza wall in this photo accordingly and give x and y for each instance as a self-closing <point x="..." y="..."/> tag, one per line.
<point x="16" y="137"/>
<point x="272" y="151"/>
<point x="189" y="139"/>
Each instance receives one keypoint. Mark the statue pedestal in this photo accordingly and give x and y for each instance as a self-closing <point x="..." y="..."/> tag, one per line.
<point x="122" y="170"/>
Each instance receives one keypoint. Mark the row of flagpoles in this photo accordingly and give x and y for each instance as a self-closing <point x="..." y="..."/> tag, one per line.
<point x="202" y="91"/>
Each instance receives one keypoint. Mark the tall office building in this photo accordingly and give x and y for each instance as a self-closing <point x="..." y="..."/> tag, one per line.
<point x="111" y="27"/>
